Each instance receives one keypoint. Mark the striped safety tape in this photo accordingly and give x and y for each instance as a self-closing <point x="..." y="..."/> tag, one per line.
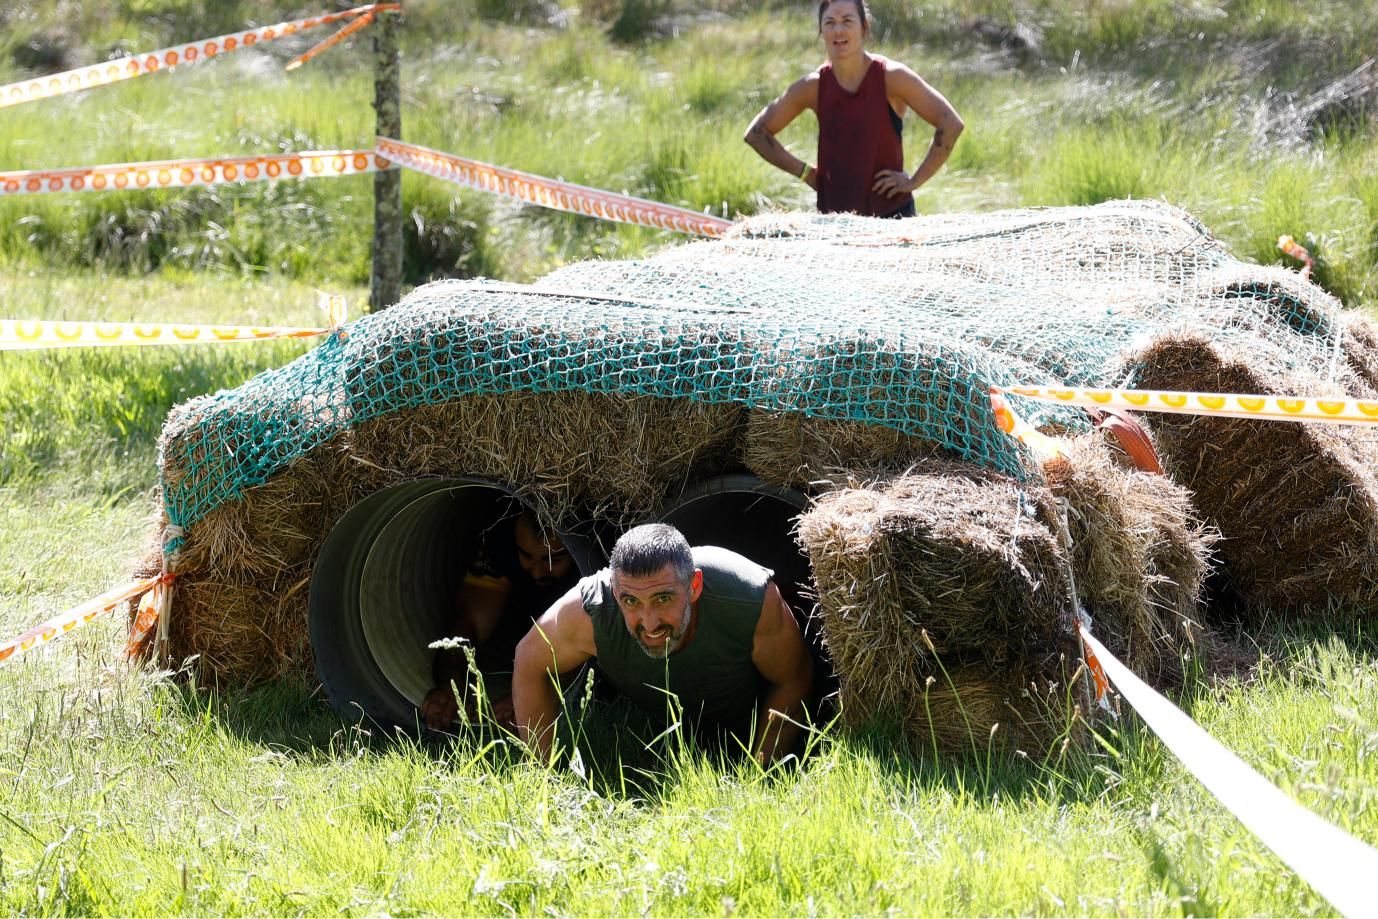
<point x="74" y="618"/>
<point x="1288" y="408"/>
<point x="27" y="334"/>
<point x="362" y="22"/>
<point x="1010" y="422"/>
<point x="138" y="65"/>
<point x="188" y="173"/>
<point x="1340" y="868"/>
<point x="551" y="193"/>
<point x="20" y="334"/>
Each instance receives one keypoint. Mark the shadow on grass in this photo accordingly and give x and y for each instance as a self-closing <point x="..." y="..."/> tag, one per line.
<point x="1265" y="648"/>
<point x="617" y="749"/>
<point x="286" y="715"/>
<point x="620" y="753"/>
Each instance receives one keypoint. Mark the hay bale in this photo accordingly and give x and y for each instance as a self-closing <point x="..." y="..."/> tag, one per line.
<point x="1360" y="346"/>
<point x="1268" y="298"/>
<point x="796" y="450"/>
<point x="1034" y="707"/>
<point x="240" y="599"/>
<point x="1296" y="505"/>
<point x="279" y="526"/>
<point x="950" y="564"/>
<point x="1140" y="557"/>
<point x="241" y="634"/>
<point x="564" y="454"/>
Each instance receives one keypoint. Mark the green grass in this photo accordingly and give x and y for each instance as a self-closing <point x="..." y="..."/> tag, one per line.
<point x="124" y="792"/>
<point x="1149" y="99"/>
<point x="94" y="414"/>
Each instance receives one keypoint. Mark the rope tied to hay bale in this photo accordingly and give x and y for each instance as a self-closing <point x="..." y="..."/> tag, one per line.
<point x="173" y="535"/>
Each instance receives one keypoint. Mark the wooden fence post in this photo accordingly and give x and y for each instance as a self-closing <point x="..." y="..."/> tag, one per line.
<point x="385" y="288"/>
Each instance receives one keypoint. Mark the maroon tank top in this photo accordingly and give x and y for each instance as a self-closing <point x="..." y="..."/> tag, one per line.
<point x="858" y="135"/>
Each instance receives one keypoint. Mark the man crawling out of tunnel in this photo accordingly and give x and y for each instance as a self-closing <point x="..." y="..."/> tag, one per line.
<point x="520" y="570"/>
<point x="698" y="634"/>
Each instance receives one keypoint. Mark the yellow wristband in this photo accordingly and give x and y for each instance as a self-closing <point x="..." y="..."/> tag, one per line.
<point x="805" y="171"/>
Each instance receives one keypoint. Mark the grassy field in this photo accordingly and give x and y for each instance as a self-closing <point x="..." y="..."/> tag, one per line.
<point x="1212" y="106"/>
<point x="124" y="792"/>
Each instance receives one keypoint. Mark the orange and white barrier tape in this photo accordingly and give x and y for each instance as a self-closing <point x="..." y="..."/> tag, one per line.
<point x="154" y="608"/>
<point x="1009" y="421"/>
<point x="188" y="173"/>
<point x="147" y="62"/>
<point x="551" y="193"/>
<point x="362" y="22"/>
<point x="1099" y="681"/>
<point x="1224" y="405"/>
<point x="74" y="618"/>
<point x="1340" y="867"/>
<point x="21" y="334"/>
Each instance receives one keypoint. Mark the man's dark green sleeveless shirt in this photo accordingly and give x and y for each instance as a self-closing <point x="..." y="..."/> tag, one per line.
<point x="713" y="677"/>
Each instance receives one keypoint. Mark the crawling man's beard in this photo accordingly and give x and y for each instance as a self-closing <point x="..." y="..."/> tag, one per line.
<point x="671" y="645"/>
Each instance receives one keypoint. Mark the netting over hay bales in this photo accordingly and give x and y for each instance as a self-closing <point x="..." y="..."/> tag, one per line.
<point x="802" y="347"/>
<point x="901" y="325"/>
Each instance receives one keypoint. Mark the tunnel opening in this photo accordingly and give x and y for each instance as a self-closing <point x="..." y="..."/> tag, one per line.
<point x="754" y="519"/>
<point x="385" y="586"/>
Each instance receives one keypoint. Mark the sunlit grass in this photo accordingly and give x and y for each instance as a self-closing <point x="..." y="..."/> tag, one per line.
<point x="125" y="793"/>
<point x="94" y="414"/>
<point x="1145" y="99"/>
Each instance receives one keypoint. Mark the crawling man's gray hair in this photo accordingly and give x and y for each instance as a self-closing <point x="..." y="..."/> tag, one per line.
<point x="646" y="549"/>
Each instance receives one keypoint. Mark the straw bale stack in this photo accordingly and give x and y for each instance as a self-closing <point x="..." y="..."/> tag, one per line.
<point x="944" y="597"/>
<point x="565" y="455"/>
<point x="1140" y="557"/>
<point x="243" y="573"/>
<point x="245" y="568"/>
<point x="939" y="584"/>
<point x="1296" y="505"/>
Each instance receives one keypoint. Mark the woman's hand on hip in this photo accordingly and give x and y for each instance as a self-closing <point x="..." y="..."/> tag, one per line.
<point x="892" y="183"/>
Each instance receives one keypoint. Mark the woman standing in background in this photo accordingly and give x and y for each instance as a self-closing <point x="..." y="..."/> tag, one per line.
<point x="860" y="100"/>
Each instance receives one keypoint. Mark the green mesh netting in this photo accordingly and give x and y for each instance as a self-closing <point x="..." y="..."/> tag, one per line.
<point x="904" y="324"/>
